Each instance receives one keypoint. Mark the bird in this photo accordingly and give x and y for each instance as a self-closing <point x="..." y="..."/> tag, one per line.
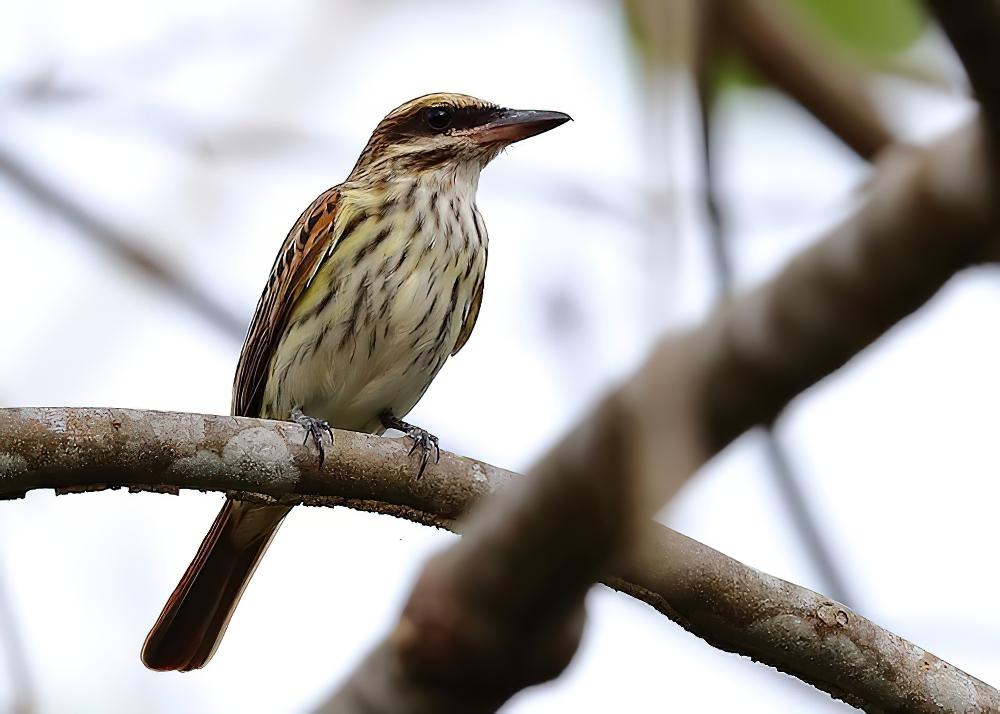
<point x="377" y="283"/>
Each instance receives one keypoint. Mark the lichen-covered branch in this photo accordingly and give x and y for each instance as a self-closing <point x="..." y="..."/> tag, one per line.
<point x="77" y="450"/>
<point x="819" y="640"/>
<point x="730" y="605"/>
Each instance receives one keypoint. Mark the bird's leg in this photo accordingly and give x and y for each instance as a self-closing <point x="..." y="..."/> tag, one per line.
<point x="422" y="439"/>
<point x="314" y="428"/>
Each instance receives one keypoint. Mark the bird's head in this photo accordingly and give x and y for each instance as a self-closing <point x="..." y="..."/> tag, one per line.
<point x="444" y="131"/>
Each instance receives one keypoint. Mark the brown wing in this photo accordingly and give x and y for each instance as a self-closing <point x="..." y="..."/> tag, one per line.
<point x="470" y="318"/>
<point x="293" y="270"/>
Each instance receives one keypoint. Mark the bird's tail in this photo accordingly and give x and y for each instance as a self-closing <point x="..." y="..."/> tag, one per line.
<point x="195" y="617"/>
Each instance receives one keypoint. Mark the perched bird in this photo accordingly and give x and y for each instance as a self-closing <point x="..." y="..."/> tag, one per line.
<point x="378" y="282"/>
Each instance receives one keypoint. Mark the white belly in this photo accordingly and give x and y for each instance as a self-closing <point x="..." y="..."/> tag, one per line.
<point x="391" y="361"/>
<point x="375" y="347"/>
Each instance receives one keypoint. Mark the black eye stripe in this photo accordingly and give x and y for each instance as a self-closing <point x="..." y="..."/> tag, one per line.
<point x="415" y="123"/>
<point x="476" y="116"/>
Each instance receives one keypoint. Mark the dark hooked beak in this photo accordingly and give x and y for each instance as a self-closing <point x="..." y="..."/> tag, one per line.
<point x="515" y="124"/>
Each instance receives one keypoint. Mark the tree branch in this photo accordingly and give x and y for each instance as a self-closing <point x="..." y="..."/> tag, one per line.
<point x="973" y="27"/>
<point x="810" y="537"/>
<point x="502" y="608"/>
<point x="801" y="64"/>
<point x="726" y="603"/>
<point x="122" y="246"/>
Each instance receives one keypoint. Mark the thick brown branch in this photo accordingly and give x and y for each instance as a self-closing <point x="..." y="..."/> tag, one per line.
<point x="500" y="609"/>
<point x="930" y="214"/>
<point x="808" y="533"/>
<point x="77" y="450"/>
<point x="973" y="26"/>
<point x="819" y="640"/>
<point x="730" y="605"/>
<point x="797" y="61"/>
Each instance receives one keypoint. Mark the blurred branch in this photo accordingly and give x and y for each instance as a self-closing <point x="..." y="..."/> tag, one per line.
<point x="703" y="68"/>
<point x="973" y="27"/>
<point x="923" y="72"/>
<point x="730" y="605"/>
<point x="803" y="520"/>
<point x="663" y="34"/>
<point x="121" y="245"/>
<point x="502" y="608"/>
<point x="269" y="141"/>
<point x="782" y="49"/>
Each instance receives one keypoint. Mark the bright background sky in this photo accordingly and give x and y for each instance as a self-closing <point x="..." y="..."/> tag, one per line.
<point x="201" y="129"/>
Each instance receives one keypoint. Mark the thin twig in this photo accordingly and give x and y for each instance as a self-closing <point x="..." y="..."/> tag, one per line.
<point x="119" y="244"/>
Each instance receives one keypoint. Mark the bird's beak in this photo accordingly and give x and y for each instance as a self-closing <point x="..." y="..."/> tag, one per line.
<point x="517" y="124"/>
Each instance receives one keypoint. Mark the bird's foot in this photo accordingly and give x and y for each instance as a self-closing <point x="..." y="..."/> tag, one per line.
<point x="422" y="439"/>
<point x="314" y="428"/>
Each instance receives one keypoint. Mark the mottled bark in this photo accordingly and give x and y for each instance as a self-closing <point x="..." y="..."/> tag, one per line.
<point x="728" y="604"/>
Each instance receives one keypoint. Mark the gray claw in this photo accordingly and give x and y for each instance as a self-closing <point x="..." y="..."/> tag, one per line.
<point x="314" y="428"/>
<point x="421" y="439"/>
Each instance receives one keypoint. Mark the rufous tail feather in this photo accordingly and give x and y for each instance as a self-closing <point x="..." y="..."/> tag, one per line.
<point x="195" y="617"/>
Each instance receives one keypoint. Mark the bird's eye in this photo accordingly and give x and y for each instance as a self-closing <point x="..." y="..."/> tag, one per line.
<point x="438" y="118"/>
